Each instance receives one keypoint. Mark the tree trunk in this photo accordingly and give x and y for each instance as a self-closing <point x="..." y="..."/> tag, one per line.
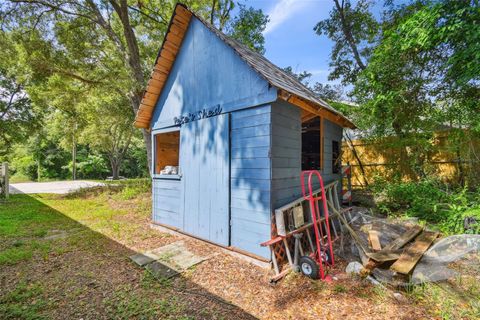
<point x="39" y="170"/>
<point x="134" y="62"/>
<point x="348" y="34"/>
<point x="136" y="98"/>
<point x="115" y="165"/>
<point x="148" y="144"/>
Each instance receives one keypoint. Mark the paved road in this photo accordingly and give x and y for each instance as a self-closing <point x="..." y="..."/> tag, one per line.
<point x="60" y="187"/>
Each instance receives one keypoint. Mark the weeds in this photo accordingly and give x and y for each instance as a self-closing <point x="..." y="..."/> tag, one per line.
<point x="432" y="201"/>
<point x="21" y="251"/>
<point x="339" y="289"/>
<point x="125" y="306"/>
<point x="24" y="302"/>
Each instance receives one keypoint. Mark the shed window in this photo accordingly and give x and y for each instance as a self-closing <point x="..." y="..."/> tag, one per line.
<point x="312" y="144"/>
<point x="336" y="157"/>
<point x="167" y="147"/>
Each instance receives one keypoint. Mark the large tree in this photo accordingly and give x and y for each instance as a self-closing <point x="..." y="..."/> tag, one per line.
<point x="106" y="43"/>
<point x="353" y="29"/>
<point x="17" y="117"/>
<point x="414" y="72"/>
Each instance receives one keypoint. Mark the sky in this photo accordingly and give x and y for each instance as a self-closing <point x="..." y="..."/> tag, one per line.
<point x="290" y="39"/>
<point x="289" y="36"/>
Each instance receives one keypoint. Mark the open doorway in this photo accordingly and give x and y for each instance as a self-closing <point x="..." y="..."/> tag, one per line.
<point x="312" y="140"/>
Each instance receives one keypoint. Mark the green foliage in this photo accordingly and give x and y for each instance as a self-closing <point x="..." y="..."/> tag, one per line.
<point x="91" y="166"/>
<point x="84" y="65"/>
<point x="431" y="201"/>
<point x="247" y="28"/>
<point x="418" y="199"/>
<point x="353" y="30"/>
<point x="17" y="116"/>
<point x="329" y="92"/>
<point x="407" y="86"/>
<point x="135" y="164"/>
<point x="134" y="187"/>
<point x="448" y="301"/>
<point x="414" y="72"/>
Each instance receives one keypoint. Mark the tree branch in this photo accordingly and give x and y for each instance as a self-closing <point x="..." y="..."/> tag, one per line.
<point x="54" y="7"/>
<point x="147" y="15"/>
<point x="10" y="101"/>
<point x="348" y="34"/>
<point x="107" y="27"/>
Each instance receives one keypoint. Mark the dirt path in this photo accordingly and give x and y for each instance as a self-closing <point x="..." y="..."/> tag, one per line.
<point x="57" y="187"/>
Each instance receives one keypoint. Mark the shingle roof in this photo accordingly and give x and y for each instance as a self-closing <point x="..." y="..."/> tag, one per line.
<point x="290" y="88"/>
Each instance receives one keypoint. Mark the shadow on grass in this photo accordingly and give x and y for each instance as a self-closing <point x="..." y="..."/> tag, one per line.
<point x="52" y="266"/>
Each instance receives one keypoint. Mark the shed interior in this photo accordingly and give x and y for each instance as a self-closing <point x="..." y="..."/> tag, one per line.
<point x="312" y="144"/>
<point x="167" y="150"/>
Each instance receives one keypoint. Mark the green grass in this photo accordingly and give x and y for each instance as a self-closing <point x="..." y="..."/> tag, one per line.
<point x="338" y="288"/>
<point x="123" y="306"/>
<point x="97" y="224"/>
<point x="445" y="302"/>
<point x="92" y="225"/>
<point x="14" y="255"/>
<point x="19" y="178"/>
<point x="24" y="302"/>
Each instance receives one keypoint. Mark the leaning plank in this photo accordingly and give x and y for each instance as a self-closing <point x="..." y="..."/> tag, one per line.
<point x="405" y="238"/>
<point x="412" y="254"/>
<point x="352" y="232"/>
<point x="374" y="240"/>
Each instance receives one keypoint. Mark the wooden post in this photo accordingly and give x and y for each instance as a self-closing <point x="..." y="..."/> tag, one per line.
<point x="349" y="184"/>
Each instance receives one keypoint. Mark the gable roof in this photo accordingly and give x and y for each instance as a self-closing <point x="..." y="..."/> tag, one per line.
<point x="289" y="88"/>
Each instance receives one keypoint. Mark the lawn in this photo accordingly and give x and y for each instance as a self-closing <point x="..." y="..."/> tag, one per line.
<point x="67" y="257"/>
<point x="64" y="257"/>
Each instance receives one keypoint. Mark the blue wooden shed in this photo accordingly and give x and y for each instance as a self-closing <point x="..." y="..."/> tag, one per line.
<point x="231" y="133"/>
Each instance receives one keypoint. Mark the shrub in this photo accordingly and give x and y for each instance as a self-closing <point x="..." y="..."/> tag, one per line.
<point x="429" y="200"/>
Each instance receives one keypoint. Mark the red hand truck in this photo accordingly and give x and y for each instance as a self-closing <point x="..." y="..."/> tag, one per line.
<point x="314" y="265"/>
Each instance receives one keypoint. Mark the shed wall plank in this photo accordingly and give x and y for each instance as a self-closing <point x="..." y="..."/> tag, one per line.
<point x="166" y="196"/>
<point x="250" y="179"/>
<point x="286" y="153"/>
<point x="212" y="70"/>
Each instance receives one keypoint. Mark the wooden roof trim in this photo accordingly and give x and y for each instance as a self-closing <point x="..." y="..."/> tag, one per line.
<point x="165" y="59"/>
<point x="315" y="109"/>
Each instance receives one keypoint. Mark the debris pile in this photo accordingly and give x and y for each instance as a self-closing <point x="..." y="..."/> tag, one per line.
<point x="401" y="252"/>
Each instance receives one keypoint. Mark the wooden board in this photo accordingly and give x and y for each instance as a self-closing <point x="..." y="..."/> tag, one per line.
<point x="384" y="256"/>
<point x="393" y="246"/>
<point x="405" y="238"/>
<point x="374" y="240"/>
<point x="412" y="254"/>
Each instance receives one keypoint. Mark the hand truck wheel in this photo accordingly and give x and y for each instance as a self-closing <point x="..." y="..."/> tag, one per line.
<point x="309" y="267"/>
